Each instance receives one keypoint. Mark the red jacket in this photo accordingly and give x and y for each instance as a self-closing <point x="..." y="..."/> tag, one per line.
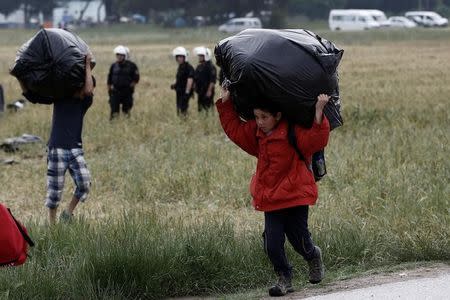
<point x="281" y="180"/>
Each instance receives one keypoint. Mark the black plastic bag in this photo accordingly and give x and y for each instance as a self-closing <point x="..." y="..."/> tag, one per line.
<point x="52" y="63"/>
<point x="288" y="67"/>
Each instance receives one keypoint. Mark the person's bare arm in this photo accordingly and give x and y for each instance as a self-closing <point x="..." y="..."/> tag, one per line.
<point x="88" y="89"/>
<point x="322" y="100"/>
<point x="225" y="94"/>
<point x="189" y="85"/>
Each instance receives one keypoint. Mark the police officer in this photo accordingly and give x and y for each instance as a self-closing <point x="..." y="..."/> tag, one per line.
<point x="184" y="80"/>
<point x="205" y="79"/>
<point x="2" y="99"/>
<point x="122" y="78"/>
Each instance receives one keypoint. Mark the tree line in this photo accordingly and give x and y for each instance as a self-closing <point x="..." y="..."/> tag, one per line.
<point x="219" y="10"/>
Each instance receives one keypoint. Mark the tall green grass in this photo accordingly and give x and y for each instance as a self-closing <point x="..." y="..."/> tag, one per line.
<point x="138" y="256"/>
<point x="142" y="256"/>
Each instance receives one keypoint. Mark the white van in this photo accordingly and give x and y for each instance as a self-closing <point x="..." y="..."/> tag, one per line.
<point x="427" y="18"/>
<point x="351" y="19"/>
<point x="239" y="24"/>
<point x="379" y="16"/>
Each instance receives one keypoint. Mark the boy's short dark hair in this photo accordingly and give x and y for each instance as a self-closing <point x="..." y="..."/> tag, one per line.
<point x="267" y="106"/>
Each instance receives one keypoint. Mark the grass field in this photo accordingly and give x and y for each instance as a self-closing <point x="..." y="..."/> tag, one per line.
<point x="169" y="213"/>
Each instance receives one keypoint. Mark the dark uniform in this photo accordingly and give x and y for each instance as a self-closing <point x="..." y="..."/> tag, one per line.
<point x="120" y="76"/>
<point x="185" y="71"/>
<point x="205" y="74"/>
<point x="2" y="99"/>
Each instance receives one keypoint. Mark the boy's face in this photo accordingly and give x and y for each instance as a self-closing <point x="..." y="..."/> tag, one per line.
<point x="265" y="120"/>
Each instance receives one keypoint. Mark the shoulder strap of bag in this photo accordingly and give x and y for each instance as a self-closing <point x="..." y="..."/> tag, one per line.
<point x="24" y="234"/>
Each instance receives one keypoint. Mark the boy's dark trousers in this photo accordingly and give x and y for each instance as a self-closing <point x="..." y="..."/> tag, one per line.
<point x="292" y="223"/>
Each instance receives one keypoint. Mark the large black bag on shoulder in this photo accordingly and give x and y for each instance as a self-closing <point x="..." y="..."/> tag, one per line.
<point x="52" y="63"/>
<point x="288" y="67"/>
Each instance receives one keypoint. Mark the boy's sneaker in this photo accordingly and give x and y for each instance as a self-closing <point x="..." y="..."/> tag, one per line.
<point x="316" y="267"/>
<point x="282" y="287"/>
<point x="65" y="217"/>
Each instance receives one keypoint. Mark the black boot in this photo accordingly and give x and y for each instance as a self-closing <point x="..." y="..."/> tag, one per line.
<point x="316" y="268"/>
<point x="282" y="287"/>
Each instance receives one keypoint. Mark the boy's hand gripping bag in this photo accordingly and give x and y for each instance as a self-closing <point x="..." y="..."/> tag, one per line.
<point x="52" y="63"/>
<point x="14" y="239"/>
<point x="288" y="67"/>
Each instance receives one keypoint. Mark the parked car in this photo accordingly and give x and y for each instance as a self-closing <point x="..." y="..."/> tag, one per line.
<point x="239" y="24"/>
<point x="199" y="21"/>
<point x="379" y="16"/>
<point x="401" y="22"/>
<point x="427" y="18"/>
<point x="139" y="19"/>
<point x="351" y="19"/>
<point x="124" y="19"/>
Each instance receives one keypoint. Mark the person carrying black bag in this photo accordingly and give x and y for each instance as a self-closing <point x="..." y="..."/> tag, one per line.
<point x="65" y="146"/>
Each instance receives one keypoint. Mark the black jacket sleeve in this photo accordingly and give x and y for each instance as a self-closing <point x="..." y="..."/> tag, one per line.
<point x="109" y="81"/>
<point x="135" y="74"/>
<point x="213" y="74"/>
<point x="191" y="72"/>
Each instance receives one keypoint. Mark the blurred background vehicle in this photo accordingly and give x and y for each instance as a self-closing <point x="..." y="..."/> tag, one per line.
<point x="199" y="21"/>
<point x="427" y="18"/>
<point x="238" y="24"/>
<point x="352" y="19"/>
<point x="139" y="19"/>
<point x="401" y="22"/>
<point x="379" y="16"/>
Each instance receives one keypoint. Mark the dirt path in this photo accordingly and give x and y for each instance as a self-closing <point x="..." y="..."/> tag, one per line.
<point x="438" y="271"/>
<point x="415" y="277"/>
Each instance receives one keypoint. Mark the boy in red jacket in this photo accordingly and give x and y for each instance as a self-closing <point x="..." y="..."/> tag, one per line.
<point x="283" y="186"/>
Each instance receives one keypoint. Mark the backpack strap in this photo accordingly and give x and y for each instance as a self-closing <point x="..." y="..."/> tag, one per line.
<point x="26" y="237"/>
<point x="292" y="138"/>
